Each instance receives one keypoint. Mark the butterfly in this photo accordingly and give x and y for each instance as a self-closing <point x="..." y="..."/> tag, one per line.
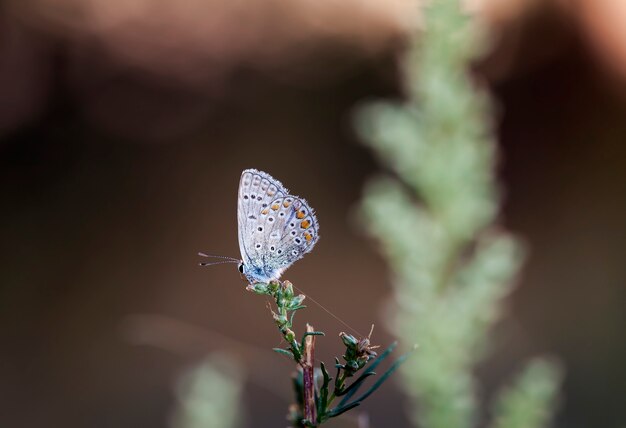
<point x="275" y="228"/>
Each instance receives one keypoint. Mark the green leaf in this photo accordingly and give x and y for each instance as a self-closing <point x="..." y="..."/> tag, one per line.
<point x="293" y="314"/>
<point x="310" y="333"/>
<point x="324" y="390"/>
<point x="284" y="352"/>
<point x="297" y="300"/>
<point x="260" y="288"/>
<point x="384" y="377"/>
<point x="354" y="385"/>
<point x="342" y="409"/>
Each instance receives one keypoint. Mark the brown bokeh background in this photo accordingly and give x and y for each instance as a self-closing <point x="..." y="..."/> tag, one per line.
<point x="124" y="127"/>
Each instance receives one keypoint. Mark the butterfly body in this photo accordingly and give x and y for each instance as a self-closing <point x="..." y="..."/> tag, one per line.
<point x="275" y="228"/>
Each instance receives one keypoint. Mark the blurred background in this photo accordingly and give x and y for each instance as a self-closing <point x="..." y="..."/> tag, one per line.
<point x="125" y="125"/>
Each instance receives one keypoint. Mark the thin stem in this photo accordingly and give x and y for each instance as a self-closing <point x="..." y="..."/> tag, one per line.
<point x="307" y="363"/>
<point x="339" y="386"/>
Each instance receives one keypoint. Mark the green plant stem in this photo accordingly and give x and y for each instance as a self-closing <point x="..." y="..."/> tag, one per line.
<point x="339" y="385"/>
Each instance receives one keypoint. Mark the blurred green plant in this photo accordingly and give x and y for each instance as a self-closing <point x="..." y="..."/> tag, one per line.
<point x="314" y="391"/>
<point x="529" y="402"/>
<point x="209" y="395"/>
<point x="436" y="220"/>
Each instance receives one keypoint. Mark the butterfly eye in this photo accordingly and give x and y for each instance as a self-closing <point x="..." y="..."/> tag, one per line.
<point x="240" y="268"/>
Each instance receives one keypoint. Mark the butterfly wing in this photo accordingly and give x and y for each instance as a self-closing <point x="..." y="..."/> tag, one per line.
<point x="275" y="228"/>
<point x="298" y="232"/>
<point x="256" y="191"/>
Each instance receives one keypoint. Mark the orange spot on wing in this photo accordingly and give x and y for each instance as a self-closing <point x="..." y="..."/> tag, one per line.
<point x="308" y="236"/>
<point x="305" y="224"/>
<point x="300" y="214"/>
<point x="286" y="204"/>
<point x="275" y="207"/>
<point x="265" y="211"/>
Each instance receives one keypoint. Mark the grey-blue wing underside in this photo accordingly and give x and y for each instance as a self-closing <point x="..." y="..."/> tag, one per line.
<point x="275" y="228"/>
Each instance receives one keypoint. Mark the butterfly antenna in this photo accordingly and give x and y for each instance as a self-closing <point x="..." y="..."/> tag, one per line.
<point x="219" y="257"/>
<point x="217" y="263"/>
<point x="329" y="312"/>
